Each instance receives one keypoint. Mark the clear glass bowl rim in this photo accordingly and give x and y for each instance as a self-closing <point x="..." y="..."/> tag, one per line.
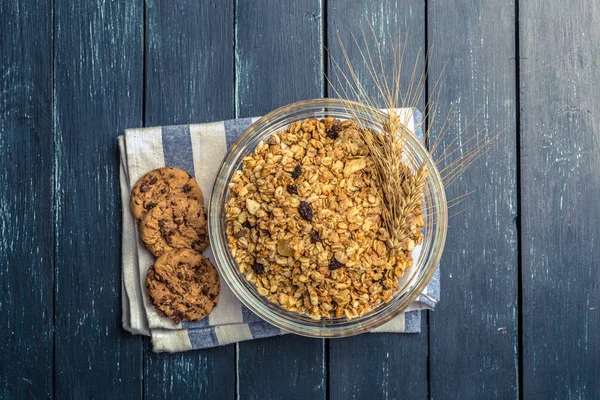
<point x="247" y="294"/>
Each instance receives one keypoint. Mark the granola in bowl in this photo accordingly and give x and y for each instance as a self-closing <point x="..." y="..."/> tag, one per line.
<point x="304" y="222"/>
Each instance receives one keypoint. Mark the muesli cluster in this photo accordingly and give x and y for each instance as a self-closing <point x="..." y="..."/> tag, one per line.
<point x="305" y="222"/>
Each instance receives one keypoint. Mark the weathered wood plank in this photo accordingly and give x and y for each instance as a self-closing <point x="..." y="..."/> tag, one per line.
<point x="197" y="374"/>
<point x="474" y="330"/>
<point x="279" y="54"/>
<point x="98" y="93"/>
<point x="278" y="50"/>
<point x="378" y="365"/>
<point x="189" y="62"/>
<point x="283" y="367"/>
<point x="189" y="78"/>
<point x="560" y="160"/>
<point x="26" y="229"/>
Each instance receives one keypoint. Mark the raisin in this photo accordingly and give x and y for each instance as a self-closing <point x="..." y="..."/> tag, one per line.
<point x="334" y="131"/>
<point x="247" y="225"/>
<point x="163" y="191"/>
<point x="186" y="188"/>
<point x="296" y="172"/>
<point x="178" y="221"/>
<point x="315" y="237"/>
<point x="144" y="188"/>
<point x="258" y="268"/>
<point x="153" y="181"/>
<point x="239" y="234"/>
<point x="177" y="318"/>
<point x="305" y="211"/>
<point x="291" y="189"/>
<point x="335" y="264"/>
<point x="150" y="205"/>
<point x="205" y="291"/>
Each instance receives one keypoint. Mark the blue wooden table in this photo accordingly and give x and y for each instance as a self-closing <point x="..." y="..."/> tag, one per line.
<point x="520" y="308"/>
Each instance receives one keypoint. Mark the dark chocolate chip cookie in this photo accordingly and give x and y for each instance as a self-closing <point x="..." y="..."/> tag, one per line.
<point x="174" y="223"/>
<point x="158" y="185"/>
<point x="183" y="285"/>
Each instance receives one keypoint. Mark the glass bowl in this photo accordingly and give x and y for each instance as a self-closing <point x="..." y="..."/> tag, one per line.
<point x="426" y="256"/>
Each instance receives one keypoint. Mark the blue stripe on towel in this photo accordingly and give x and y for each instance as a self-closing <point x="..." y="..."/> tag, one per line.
<point x="202" y="338"/>
<point x="234" y="128"/>
<point x="263" y="329"/>
<point x="203" y="323"/>
<point x="248" y="316"/>
<point x="433" y="288"/>
<point x="177" y="147"/>
<point x="258" y="327"/>
<point x="412" y="321"/>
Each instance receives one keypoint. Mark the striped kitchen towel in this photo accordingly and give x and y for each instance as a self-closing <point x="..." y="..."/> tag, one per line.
<point x="199" y="150"/>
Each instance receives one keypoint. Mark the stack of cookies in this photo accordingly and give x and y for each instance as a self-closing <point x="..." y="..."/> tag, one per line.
<point x="168" y="207"/>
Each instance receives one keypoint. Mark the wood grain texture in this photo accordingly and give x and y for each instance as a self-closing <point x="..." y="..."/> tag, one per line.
<point x="378" y="366"/>
<point x="189" y="79"/>
<point x="97" y="94"/>
<point x="26" y="229"/>
<point x="283" y="367"/>
<point x="67" y="92"/>
<point x="560" y="160"/>
<point x="189" y="62"/>
<point x="474" y="329"/>
<point x="278" y="52"/>
<point x="196" y="374"/>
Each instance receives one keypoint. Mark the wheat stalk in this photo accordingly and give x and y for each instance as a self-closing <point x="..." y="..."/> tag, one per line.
<point x="400" y="187"/>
